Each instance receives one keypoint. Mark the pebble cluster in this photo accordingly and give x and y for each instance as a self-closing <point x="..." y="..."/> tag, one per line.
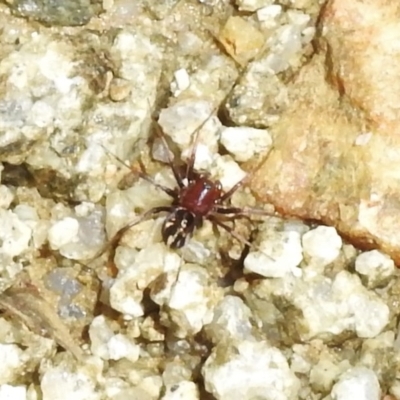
<point x="301" y="315"/>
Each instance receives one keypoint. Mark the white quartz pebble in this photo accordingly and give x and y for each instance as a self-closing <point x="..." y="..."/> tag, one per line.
<point x="120" y="346"/>
<point x="181" y="123"/>
<point x="181" y="83"/>
<point x="322" y="244"/>
<point x="11" y="365"/>
<point x="137" y="271"/>
<point x="6" y="196"/>
<point x="189" y="302"/>
<point x="252" y="5"/>
<point x="227" y="171"/>
<point x="63" y="232"/>
<point x="376" y="267"/>
<point x="14" y="234"/>
<point x="245" y="142"/>
<point x="61" y="384"/>
<point x="358" y="383"/>
<point x="279" y="255"/>
<point x="231" y="319"/>
<point x="249" y="370"/>
<point x="100" y="333"/>
<point x="184" y="390"/>
<point x="332" y="306"/>
<point x="8" y="392"/>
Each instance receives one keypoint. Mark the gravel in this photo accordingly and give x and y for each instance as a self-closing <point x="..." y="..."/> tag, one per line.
<point x="301" y="314"/>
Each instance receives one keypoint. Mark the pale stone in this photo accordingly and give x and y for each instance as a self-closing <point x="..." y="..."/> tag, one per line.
<point x="331" y="306"/>
<point x="184" y="390"/>
<point x="278" y="255"/>
<point x="322" y="244"/>
<point x="63" y="232"/>
<point x="181" y="83"/>
<point x="245" y="142"/>
<point x="357" y="383"/>
<point x="137" y="271"/>
<point x="231" y="319"/>
<point x="100" y="333"/>
<point x="377" y="268"/>
<point x="8" y="392"/>
<point x="120" y="346"/>
<point x="190" y="300"/>
<point x="252" y="5"/>
<point x="14" y="235"/>
<point x="12" y="363"/>
<point x="227" y="171"/>
<point x="249" y="370"/>
<point x="192" y="126"/>
<point x="6" y="196"/>
<point x="61" y="384"/>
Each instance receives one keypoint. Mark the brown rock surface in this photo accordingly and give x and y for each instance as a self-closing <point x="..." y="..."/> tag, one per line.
<point x="336" y="156"/>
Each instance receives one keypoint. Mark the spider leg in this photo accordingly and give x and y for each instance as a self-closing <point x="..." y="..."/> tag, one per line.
<point x="170" y="161"/>
<point x="236" y="235"/>
<point x="227" y="228"/>
<point x="195" y="142"/>
<point x="240" y="212"/>
<point x="233" y="189"/>
<point x="113" y="243"/>
<point x="142" y="173"/>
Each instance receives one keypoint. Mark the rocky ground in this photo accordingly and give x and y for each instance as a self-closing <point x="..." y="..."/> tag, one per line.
<point x="299" y="96"/>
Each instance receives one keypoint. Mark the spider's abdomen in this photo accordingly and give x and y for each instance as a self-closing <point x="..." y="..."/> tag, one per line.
<point x="178" y="226"/>
<point x="200" y="196"/>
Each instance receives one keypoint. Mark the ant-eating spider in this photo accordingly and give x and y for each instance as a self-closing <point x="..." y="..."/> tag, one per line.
<point x="195" y="198"/>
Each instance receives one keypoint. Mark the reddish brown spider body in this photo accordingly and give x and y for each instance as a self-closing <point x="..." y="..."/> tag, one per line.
<point x="200" y="196"/>
<point x="195" y="201"/>
<point x="195" y="198"/>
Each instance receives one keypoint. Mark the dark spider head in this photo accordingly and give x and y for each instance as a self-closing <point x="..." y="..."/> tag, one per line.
<point x="177" y="227"/>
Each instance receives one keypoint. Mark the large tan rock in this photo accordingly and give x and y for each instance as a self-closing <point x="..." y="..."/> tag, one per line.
<point x="336" y="157"/>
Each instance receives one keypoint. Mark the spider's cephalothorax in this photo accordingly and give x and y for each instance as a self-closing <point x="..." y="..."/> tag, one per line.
<point x="192" y="203"/>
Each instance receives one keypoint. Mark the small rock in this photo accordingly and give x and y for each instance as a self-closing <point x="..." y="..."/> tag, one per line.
<point x="181" y="123"/>
<point x="252" y="5"/>
<point x="137" y="271"/>
<point x="190" y="301"/>
<point x="375" y="268"/>
<point x="322" y="245"/>
<point x="59" y="12"/>
<point x="100" y="333"/>
<point x="245" y="142"/>
<point x="231" y="319"/>
<point x="249" y="370"/>
<point x="242" y="40"/>
<point x="6" y="197"/>
<point x="14" y="234"/>
<point x="326" y="371"/>
<point x="12" y="363"/>
<point x="181" y="83"/>
<point x="268" y="15"/>
<point x="357" y="383"/>
<point x="330" y="307"/>
<point x="120" y="346"/>
<point x="227" y="171"/>
<point x="63" y="232"/>
<point x="279" y="253"/>
<point x="58" y="382"/>
<point x="183" y="390"/>
<point x="8" y="392"/>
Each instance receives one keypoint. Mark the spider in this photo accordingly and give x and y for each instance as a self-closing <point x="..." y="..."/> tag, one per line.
<point x="195" y="198"/>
